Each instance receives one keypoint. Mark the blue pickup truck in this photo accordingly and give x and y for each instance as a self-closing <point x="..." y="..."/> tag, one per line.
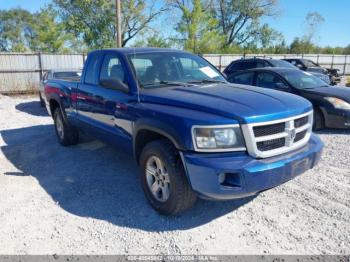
<point x="191" y="132"/>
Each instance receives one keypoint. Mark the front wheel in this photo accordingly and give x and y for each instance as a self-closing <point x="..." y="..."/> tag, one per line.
<point x="164" y="180"/>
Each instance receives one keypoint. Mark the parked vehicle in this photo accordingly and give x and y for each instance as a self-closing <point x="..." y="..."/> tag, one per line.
<point x="191" y="132"/>
<point x="331" y="104"/>
<point x="67" y="74"/>
<point x="250" y="63"/>
<point x="312" y="67"/>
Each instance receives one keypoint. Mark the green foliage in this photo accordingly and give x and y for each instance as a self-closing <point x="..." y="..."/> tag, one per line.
<point x="197" y="27"/>
<point x="239" y="20"/>
<point x="16" y="30"/>
<point x="153" y="41"/>
<point x="22" y="31"/>
<point x="91" y="20"/>
<point x="94" y="20"/>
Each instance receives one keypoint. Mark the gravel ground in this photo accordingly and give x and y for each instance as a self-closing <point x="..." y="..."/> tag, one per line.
<point x="87" y="199"/>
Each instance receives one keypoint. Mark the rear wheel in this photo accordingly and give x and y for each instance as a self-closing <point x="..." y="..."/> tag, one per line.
<point x="318" y="119"/>
<point x="164" y="180"/>
<point x="66" y="133"/>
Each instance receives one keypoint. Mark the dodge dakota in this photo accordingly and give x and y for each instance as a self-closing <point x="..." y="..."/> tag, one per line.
<point x="191" y="132"/>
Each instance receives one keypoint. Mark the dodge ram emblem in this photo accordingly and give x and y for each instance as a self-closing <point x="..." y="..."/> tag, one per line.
<point x="291" y="136"/>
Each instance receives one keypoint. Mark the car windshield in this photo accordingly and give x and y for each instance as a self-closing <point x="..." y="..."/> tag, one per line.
<point x="309" y="63"/>
<point x="303" y="80"/>
<point x="159" y="69"/>
<point x="281" y="63"/>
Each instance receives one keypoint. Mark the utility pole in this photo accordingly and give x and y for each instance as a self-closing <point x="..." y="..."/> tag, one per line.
<point x="118" y="23"/>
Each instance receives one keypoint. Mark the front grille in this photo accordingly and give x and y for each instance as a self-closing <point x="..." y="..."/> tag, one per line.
<point x="277" y="137"/>
<point x="299" y="136"/>
<point x="260" y="131"/>
<point x="271" y="144"/>
<point x="301" y="121"/>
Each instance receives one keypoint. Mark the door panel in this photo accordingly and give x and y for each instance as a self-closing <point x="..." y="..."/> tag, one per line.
<point x="107" y="110"/>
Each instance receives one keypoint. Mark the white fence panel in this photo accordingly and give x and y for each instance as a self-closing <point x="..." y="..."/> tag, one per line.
<point x="62" y="61"/>
<point x="23" y="71"/>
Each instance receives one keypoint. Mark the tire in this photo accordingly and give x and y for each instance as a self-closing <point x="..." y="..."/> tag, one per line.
<point x="318" y="120"/>
<point x="42" y="102"/>
<point x="180" y="196"/>
<point x="67" y="135"/>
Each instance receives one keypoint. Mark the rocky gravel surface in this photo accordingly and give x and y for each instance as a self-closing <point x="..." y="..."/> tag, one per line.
<point x="87" y="199"/>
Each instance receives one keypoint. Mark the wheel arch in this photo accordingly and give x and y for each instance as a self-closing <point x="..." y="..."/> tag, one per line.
<point x="150" y="130"/>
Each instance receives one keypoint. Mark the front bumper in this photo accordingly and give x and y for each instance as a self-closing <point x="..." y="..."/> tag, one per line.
<point x="336" y="118"/>
<point x="246" y="175"/>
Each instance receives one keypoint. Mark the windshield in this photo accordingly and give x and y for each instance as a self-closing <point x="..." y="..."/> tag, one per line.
<point x="303" y="80"/>
<point x="281" y="63"/>
<point x="309" y="63"/>
<point x="159" y="69"/>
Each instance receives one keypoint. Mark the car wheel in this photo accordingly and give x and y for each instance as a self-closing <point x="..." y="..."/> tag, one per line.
<point x="318" y="120"/>
<point x="42" y="102"/>
<point x="66" y="133"/>
<point x="164" y="180"/>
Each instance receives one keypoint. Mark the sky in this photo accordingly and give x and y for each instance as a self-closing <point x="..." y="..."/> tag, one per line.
<point x="335" y="31"/>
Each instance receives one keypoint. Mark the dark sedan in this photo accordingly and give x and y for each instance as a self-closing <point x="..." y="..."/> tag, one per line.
<point x="312" y="67"/>
<point x="331" y="104"/>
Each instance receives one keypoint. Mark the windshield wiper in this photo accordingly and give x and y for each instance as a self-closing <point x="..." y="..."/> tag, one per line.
<point x="173" y="83"/>
<point x="168" y="83"/>
<point x="204" y="81"/>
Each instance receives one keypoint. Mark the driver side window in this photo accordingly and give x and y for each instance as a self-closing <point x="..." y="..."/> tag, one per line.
<point x="269" y="80"/>
<point x="112" y="69"/>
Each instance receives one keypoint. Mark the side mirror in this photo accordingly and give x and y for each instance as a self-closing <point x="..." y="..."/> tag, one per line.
<point x="114" y="83"/>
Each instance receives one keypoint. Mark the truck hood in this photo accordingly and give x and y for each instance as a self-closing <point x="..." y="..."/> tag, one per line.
<point x="245" y="104"/>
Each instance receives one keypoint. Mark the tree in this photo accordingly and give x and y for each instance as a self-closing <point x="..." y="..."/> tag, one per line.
<point x="153" y="41"/>
<point x="346" y="50"/>
<point x="268" y="37"/>
<point x="197" y="26"/>
<point x="239" y="19"/>
<point x="22" y="31"/>
<point x="313" y="22"/>
<point x="301" y="46"/>
<point x="50" y="34"/>
<point x="16" y="30"/>
<point x="94" y="20"/>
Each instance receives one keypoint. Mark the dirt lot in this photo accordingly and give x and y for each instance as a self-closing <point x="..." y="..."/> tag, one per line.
<point x="87" y="199"/>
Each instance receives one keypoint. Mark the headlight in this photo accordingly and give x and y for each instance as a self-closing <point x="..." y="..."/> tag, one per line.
<point x="218" y="138"/>
<point x="338" y="103"/>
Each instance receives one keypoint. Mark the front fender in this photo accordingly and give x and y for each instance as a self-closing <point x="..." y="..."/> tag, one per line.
<point x="160" y="127"/>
